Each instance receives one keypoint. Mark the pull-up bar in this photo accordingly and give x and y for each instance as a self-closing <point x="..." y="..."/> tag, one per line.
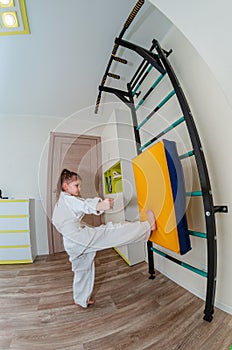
<point x="140" y="71"/>
<point x="142" y="79"/>
<point x="112" y="57"/>
<point x="141" y="66"/>
<point x="144" y="66"/>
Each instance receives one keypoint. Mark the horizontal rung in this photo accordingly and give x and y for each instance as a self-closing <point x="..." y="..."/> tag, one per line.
<point x="166" y="99"/>
<point x="186" y="155"/>
<point x="157" y="81"/>
<point x="142" y="79"/>
<point x="148" y="143"/>
<point x="173" y="125"/>
<point x="181" y="263"/>
<point x="139" y="104"/>
<point x="142" y="123"/>
<point x="136" y="88"/>
<point x="161" y="104"/>
<point x="197" y="234"/>
<point x="194" y="194"/>
<point x="119" y="59"/>
<point x="194" y="269"/>
<point x="149" y="69"/>
<point x="169" y="128"/>
<point x="114" y="76"/>
<point x="149" y="91"/>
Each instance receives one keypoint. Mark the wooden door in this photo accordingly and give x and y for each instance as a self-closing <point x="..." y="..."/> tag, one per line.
<point x="80" y="154"/>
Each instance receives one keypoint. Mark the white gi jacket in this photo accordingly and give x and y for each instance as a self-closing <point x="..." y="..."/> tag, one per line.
<point x="68" y="213"/>
<point x="67" y="216"/>
<point x="81" y="241"/>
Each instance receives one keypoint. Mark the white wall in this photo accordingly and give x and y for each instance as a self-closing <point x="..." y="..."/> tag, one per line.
<point x="207" y="25"/>
<point x="22" y="141"/>
<point x="205" y="75"/>
<point x="24" y="147"/>
<point x="212" y="116"/>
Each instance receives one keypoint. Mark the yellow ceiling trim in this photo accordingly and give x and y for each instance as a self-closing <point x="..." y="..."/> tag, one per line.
<point x="19" y="7"/>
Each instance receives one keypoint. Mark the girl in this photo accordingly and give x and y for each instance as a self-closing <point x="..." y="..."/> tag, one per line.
<point x="81" y="242"/>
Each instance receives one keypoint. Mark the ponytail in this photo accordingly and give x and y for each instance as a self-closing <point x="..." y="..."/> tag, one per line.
<point x="65" y="176"/>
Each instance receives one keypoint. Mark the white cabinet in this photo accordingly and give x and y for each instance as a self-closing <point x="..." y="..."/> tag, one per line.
<point x="118" y="145"/>
<point x="17" y="231"/>
<point x="126" y="208"/>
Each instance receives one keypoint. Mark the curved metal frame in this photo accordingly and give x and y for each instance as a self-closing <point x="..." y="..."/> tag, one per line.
<point x="161" y="63"/>
<point x="205" y="187"/>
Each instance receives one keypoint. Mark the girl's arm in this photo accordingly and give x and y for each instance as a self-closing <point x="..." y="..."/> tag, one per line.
<point x="105" y="204"/>
<point x="88" y="206"/>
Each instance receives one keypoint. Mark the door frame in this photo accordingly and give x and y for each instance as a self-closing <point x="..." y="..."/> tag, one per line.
<point x="53" y="136"/>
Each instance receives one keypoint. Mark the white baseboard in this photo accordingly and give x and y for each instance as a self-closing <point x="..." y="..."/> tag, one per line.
<point x="218" y="304"/>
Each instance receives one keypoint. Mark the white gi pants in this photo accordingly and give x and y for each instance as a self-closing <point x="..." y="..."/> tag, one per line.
<point x="98" y="238"/>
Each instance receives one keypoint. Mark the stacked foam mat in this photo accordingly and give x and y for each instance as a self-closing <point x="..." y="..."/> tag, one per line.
<point x="160" y="186"/>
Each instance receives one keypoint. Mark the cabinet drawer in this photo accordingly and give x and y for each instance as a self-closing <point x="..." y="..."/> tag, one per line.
<point x="17" y="231"/>
<point x="14" y="223"/>
<point x="15" y="238"/>
<point x="14" y="206"/>
<point x="13" y="255"/>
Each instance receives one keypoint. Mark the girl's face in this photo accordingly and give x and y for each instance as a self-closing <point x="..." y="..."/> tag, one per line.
<point x="73" y="188"/>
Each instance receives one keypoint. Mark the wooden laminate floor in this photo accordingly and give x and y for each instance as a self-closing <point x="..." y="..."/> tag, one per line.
<point x="131" y="311"/>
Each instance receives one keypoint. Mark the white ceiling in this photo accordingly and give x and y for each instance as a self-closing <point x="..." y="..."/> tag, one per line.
<point x="56" y="70"/>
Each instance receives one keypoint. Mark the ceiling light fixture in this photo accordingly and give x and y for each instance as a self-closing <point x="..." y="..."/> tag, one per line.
<point x="10" y="19"/>
<point x="6" y="3"/>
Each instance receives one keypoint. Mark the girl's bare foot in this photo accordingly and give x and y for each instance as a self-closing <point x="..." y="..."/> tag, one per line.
<point x="151" y="219"/>
<point x="90" y="302"/>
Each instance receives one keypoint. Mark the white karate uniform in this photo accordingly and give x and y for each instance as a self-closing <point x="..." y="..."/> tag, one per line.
<point x="81" y="241"/>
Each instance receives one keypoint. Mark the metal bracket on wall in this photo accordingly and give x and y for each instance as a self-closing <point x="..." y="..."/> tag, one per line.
<point x="220" y="209"/>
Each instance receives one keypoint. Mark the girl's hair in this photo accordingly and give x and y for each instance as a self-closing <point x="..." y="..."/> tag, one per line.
<point x="65" y="176"/>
